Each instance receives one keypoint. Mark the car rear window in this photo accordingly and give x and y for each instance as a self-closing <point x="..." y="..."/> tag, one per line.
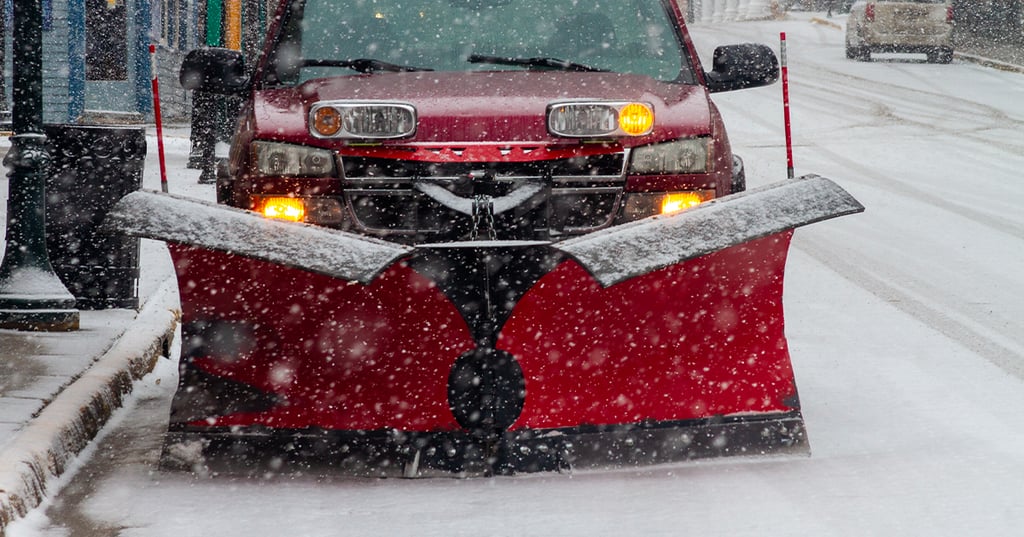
<point x="628" y="36"/>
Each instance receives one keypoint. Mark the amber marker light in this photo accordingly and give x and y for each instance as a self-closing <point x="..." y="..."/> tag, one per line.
<point x="677" y="201"/>
<point x="284" y="208"/>
<point x="636" y="119"/>
<point x="327" y="121"/>
<point x="595" y="119"/>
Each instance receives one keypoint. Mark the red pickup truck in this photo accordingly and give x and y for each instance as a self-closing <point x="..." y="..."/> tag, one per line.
<point x="378" y="116"/>
<point x="524" y="170"/>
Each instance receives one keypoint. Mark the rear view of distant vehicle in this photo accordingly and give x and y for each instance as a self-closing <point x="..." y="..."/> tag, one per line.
<point x="916" y="27"/>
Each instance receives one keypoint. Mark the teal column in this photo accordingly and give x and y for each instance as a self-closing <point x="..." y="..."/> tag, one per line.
<point x="76" y="60"/>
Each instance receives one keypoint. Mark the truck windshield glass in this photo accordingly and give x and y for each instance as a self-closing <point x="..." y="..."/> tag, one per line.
<point x="335" y="37"/>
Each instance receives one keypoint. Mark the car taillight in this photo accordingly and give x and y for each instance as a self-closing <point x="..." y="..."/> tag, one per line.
<point x="869" y="12"/>
<point x="949" y="14"/>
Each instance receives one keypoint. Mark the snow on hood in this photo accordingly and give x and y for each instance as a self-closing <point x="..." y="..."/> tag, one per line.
<point x="508" y="106"/>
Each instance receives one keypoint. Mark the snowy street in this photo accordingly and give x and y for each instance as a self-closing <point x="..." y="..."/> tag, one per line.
<point x="905" y="325"/>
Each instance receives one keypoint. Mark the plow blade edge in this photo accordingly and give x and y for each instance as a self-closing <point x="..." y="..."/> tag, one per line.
<point x="629" y="250"/>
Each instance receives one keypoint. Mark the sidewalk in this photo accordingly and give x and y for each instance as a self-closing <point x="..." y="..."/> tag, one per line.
<point x="58" y="389"/>
<point x="998" y="55"/>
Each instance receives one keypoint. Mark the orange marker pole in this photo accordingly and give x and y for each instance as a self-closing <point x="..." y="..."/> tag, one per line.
<point x="159" y="121"/>
<point x="785" y="106"/>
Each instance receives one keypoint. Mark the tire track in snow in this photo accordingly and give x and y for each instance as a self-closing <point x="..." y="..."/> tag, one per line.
<point x="929" y="304"/>
<point x="867" y="175"/>
<point x="952" y="115"/>
<point x="893" y="101"/>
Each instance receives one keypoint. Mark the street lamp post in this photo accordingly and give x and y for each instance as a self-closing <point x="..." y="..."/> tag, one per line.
<point x="32" y="297"/>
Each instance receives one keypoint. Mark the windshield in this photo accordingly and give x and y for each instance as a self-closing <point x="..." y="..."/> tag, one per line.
<point x="336" y="37"/>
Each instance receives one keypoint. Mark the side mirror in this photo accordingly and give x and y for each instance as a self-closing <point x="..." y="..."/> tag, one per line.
<point x="214" y="70"/>
<point x="742" y="66"/>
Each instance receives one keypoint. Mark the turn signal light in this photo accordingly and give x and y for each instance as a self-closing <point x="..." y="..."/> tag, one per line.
<point x="327" y="121"/>
<point x="636" y="119"/>
<point x="677" y="201"/>
<point x="284" y="208"/>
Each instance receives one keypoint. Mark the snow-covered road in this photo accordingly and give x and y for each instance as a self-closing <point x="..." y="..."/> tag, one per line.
<point x="905" y="323"/>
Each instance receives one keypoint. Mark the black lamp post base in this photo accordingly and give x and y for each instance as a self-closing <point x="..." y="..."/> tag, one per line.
<point x="39" y="320"/>
<point x="35" y="299"/>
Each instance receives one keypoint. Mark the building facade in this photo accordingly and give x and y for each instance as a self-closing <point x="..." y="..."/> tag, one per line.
<point x="96" y="60"/>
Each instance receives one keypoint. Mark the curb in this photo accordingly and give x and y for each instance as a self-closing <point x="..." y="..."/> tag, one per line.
<point x="45" y="447"/>
<point x="989" y="62"/>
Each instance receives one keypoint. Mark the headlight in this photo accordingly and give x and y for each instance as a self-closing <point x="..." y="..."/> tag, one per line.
<point x="579" y="119"/>
<point x="686" y="155"/>
<point x="362" y="120"/>
<point x="289" y="160"/>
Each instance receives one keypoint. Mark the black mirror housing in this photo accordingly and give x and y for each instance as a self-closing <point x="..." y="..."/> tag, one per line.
<point x="748" y="65"/>
<point x="214" y="70"/>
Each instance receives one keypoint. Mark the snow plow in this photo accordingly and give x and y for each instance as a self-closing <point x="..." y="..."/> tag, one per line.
<point x="654" y="341"/>
<point x="483" y="236"/>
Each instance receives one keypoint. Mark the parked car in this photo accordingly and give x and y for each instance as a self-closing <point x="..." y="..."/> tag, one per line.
<point x="918" y="26"/>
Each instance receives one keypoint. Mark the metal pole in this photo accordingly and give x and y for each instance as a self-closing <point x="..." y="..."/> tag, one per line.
<point x="785" y="106"/>
<point x="32" y="297"/>
<point x="3" y="51"/>
<point x="157" y="117"/>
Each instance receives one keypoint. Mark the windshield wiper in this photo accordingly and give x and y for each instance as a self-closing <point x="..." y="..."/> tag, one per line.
<point x="364" y="65"/>
<point x="546" y="62"/>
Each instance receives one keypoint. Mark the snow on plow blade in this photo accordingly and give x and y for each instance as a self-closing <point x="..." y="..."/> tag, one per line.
<point x="634" y="249"/>
<point x="656" y="341"/>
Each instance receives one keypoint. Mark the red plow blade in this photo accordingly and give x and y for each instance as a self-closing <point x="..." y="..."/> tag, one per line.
<point x="656" y="341"/>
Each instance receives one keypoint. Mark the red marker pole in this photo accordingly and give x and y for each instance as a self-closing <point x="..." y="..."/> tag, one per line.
<point x="159" y="121"/>
<point x="785" y="106"/>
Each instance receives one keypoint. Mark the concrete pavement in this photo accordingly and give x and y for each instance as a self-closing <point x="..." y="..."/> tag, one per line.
<point x="57" y="390"/>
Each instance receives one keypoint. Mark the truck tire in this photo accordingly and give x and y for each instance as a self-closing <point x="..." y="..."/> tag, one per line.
<point x="861" y="54"/>
<point x="739" y="175"/>
<point x="941" y="55"/>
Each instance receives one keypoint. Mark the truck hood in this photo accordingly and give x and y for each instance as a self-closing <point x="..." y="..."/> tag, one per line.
<point x="500" y="106"/>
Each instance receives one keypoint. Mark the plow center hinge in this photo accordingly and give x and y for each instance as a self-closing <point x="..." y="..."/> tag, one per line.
<point x="483" y="216"/>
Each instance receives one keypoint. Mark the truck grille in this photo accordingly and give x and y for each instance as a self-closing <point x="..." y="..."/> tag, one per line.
<point x="573" y="196"/>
